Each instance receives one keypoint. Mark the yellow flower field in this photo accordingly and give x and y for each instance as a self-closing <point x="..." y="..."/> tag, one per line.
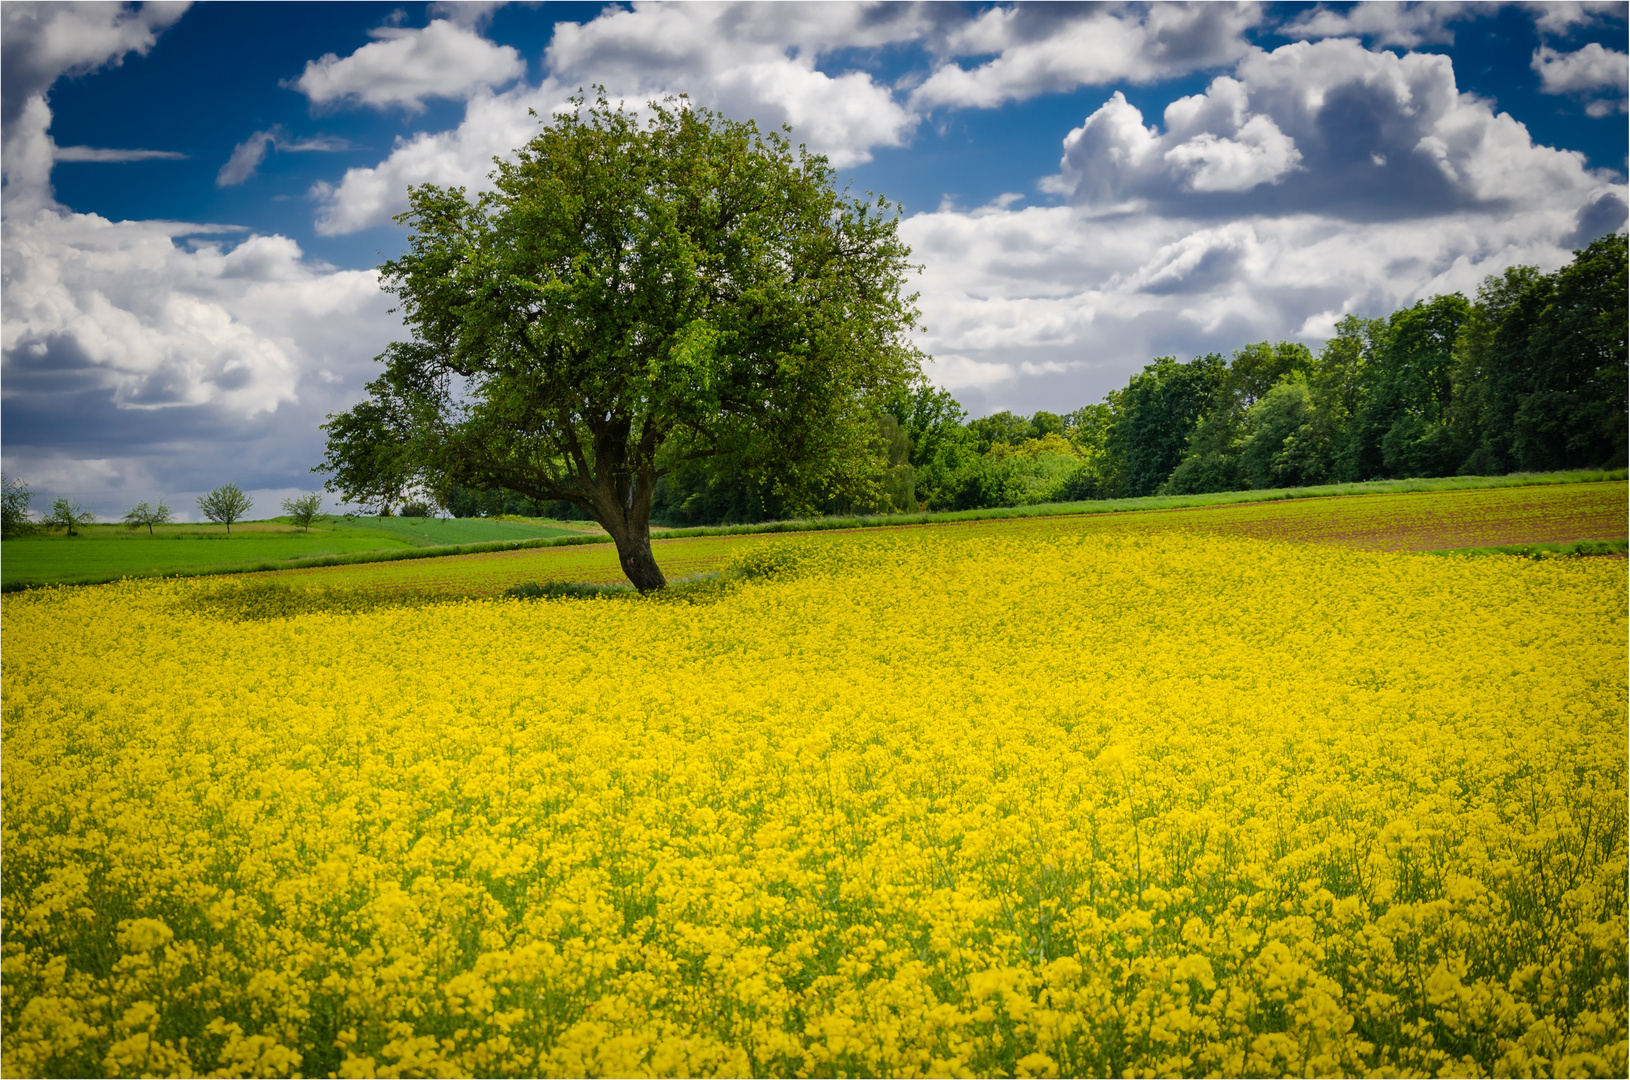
<point x="1021" y="804"/>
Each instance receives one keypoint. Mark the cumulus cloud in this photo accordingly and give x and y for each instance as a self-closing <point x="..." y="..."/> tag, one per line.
<point x="1323" y="127"/>
<point x="1045" y="49"/>
<point x="203" y="352"/>
<point x="167" y="337"/>
<point x="1561" y="16"/>
<point x="1213" y="143"/>
<point x="158" y="324"/>
<point x="756" y="60"/>
<point x="1314" y="181"/>
<point x="404" y="66"/>
<point x="39" y="43"/>
<point x="1004" y="295"/>
<point x="1387" y="23"/>
<point x="475" y="13"/>
<point x="493" y="126"/>
<point x="42" y="42"/>
<point x="1590" y="71"/>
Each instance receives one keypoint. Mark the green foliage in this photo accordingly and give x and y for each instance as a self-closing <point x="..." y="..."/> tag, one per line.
<point x="1287" y="440"/>
<point x="627" y="298"/>
<point x="67" y="515"/>
<point x="1157" y="413"/>
<point x="225" y="505"/>
<point x="302" y="510"/>
<point x="16" y="517"/>
<point x="144" y="514"/>
<point x="1531" y="375"/>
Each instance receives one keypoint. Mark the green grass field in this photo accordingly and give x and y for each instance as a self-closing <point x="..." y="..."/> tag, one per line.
<point x="108" y="552"/>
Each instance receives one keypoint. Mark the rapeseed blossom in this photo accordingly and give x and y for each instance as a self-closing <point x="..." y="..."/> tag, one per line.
<point x="1026" y="804"/>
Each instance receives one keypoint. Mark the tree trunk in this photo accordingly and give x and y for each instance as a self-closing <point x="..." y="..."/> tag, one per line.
<point x="624" y="509"/>
<point x="633" y="540"/>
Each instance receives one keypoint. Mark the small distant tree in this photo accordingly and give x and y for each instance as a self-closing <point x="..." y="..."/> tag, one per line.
<point x="225" y="505"/>
<point x="67" y="515"/>
<point x="143" y="514"/>
<point x="16" y="518"/>
<point x="303" y="510"/>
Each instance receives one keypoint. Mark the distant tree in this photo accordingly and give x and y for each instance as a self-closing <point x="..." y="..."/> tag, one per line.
<point x="1158" y="410"/>
<point x="1285" y="443"/>
<point x="1571" y="406"/>
<point x="899" y="483"/>
<point x="303" y="509"/>
<point x="67" y="515"/>
<point x="143" y="514"/>
<point x="1401" y="429"/>
<point x="225" y="505"/>
<point x="18" y="518"/>
<point x="1256" y="369"/>
<point x="1213" y="460"/>
<point x="1000" y="428"/>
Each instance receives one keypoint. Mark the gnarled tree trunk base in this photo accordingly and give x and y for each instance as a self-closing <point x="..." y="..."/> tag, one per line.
<point x="634" y="552"/>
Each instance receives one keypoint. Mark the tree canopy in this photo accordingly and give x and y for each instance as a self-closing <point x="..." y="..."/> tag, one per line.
<point x="224" y="505"/>
<point x="146" y="514"/>
<point x="630" y="296"/>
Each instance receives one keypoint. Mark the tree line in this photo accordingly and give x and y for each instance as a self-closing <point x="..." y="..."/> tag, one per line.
<point x="1528" y="376"/>
<point x="223" y="506"/>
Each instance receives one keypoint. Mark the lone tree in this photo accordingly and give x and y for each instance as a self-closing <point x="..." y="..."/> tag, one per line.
<point x="303" y="509"/>
<point x="630" y="296"/>
<point x="16" y="516"/>
<point x="143" y="514"/>
<point x="67" y="515"/>
<point x="225" y="505"/>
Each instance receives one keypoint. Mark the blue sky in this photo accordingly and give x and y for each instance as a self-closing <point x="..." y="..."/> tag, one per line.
<point x="195" y="197"/>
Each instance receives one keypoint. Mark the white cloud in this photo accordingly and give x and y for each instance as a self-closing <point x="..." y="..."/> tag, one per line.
<point x="1102" y="296"/>
<point x="467" y="12"/>
<point x="1561" y="16"/>
<point x="1591" y="70"/>
<point x="159" y="325"/>
<point x="755" y="60"/>
<point x="39" y="43"/>
<point x="247" y="155"/>
<point x="404" y="66"/>
<point x="1387" y="23"/>
<point x="746" y="60"/>
<point x="493" y="126"/>
<point x="99" y="154"/>
<point x="1041" y="49"/>
<point x="246" y="158"/>
<point x="174" y="352"/>
<point x="1213" y="143"/>
<point x="1328" y="128"/>
<point x="42" y="42"/>
<point x="1367" y="182"/>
